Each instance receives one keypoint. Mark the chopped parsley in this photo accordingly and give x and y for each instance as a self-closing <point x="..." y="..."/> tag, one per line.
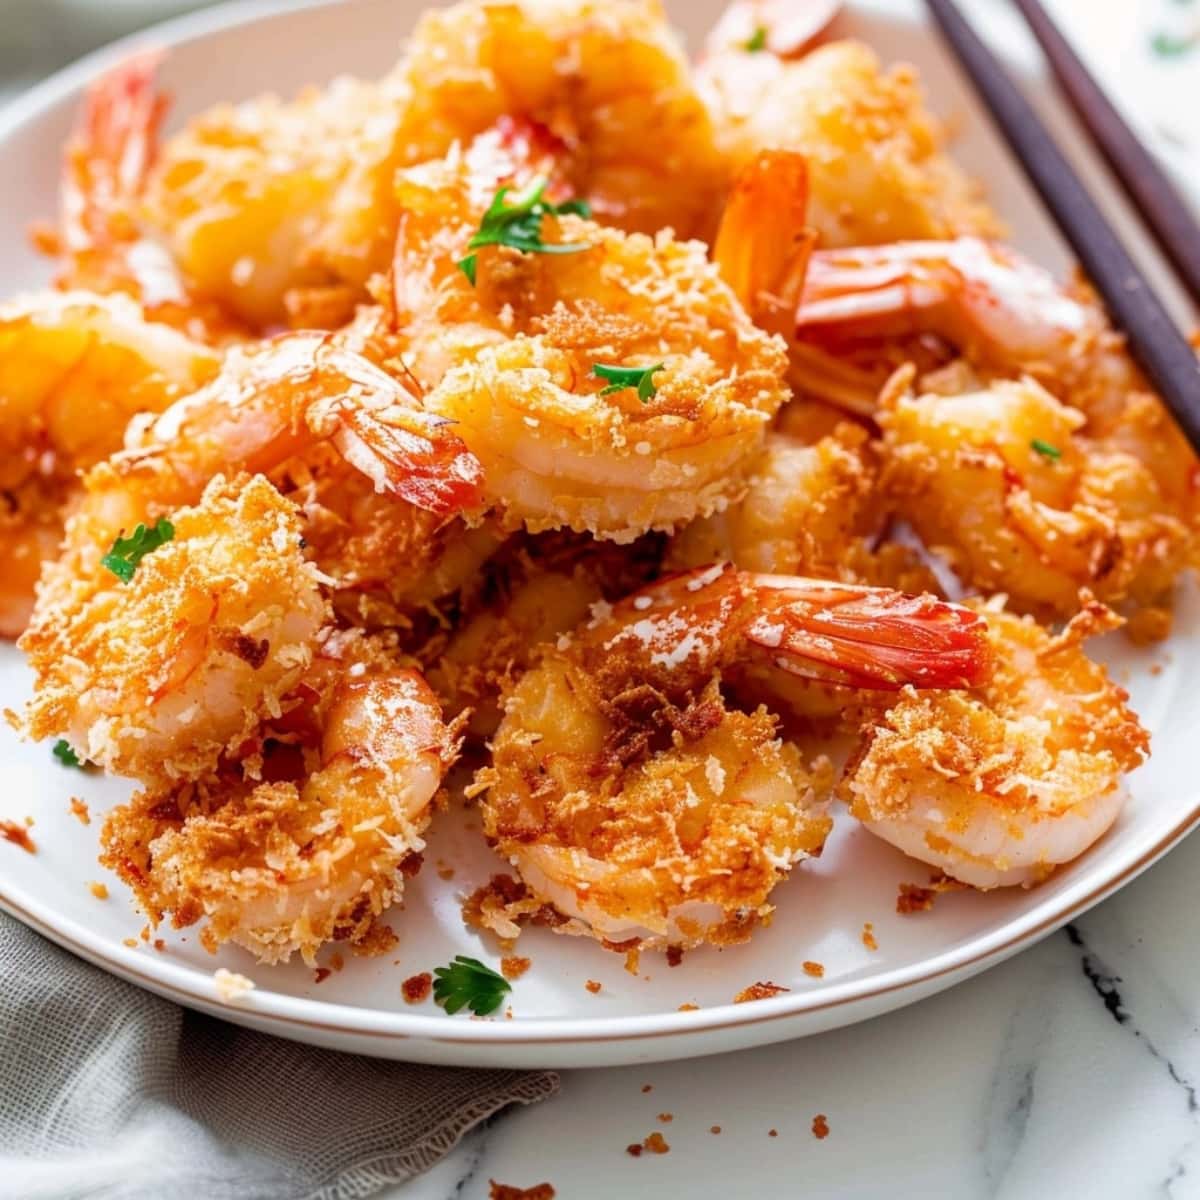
<point x="65" y="755"/>
<point x="1046" y="450"/>
<point x="122" y="560"/>
<point x="619" y="378"/>
<point x="757" y="40"/>
<point x="1169" y="45"/>
<point x="466" y="982"/>
<point x="518" y="223"/>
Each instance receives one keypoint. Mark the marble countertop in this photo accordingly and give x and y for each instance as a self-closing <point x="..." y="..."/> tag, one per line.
<point x="1070" y="1070"/>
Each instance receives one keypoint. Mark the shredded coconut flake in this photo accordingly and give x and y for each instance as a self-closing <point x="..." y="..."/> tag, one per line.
<point x="232" y="988"/>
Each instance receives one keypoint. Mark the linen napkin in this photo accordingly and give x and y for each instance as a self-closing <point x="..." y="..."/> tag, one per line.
<point x="109" y="1092"/>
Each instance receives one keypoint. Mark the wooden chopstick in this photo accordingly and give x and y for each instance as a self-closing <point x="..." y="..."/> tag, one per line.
<point x="1163" y="352"/>
<point x="1166" y="215"/>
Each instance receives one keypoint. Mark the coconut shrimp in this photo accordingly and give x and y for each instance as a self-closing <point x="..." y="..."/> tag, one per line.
<point x="877" y="162"/>
<point x="283" y="211"/>
<point x="1001" y="481"/>
<point x="277" y="409"/>
<point x="999" y="785"/>
<point x="315" y="850"/>
<point x="74" y="369"/>
<point x="636" y="802"/>
<point x="561" y="444"/>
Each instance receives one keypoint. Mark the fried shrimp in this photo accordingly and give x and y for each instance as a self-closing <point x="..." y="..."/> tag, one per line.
<point x="74" y="369"/>
<point x="315" y="851"/>
<point x="562" y="445"/>
<point x="636" y="802"/>
<point x="998" y="785"/>
<point x="878" y="170"/>
<point x="158" y="677"/>
<point x="1002" y="482"/>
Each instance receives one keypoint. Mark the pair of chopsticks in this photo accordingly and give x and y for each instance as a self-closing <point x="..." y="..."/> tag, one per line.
<point x="1162" y="351"/>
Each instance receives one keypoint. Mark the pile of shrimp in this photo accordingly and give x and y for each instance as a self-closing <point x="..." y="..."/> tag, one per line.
<point x="603" y="428"/>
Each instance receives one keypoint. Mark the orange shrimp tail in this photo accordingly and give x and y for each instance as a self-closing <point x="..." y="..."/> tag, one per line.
<point x="110" y="153"/>
<point x="427" y="466"/>
<point x="870" y="637"/>
<point x="763" y="244"/>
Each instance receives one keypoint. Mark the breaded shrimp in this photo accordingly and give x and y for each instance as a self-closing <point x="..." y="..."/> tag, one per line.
<point x="999" y="785"/>
<point x="636" y="802"/>
<point x="878" y="170"/>
<point x="1004" y="484"/>
<point x="157" y="677"/>
<point x="560" y="445"/>
<point x="313" y="853"/>
<point x="74" y="369"/>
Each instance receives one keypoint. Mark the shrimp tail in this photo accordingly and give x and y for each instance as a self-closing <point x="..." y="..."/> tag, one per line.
<point x="869" y="637"/>
<point x="763" y="244"/>
<point x="111" y="152"/>
<point x="430" y="468"/>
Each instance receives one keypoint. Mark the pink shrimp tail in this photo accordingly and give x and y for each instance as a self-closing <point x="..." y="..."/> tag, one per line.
<point x="870" y="637"/>
<point x="111" y="151"/>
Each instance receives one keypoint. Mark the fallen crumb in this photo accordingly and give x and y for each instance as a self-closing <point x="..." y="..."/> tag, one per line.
<point x="321" y="974"/>
<point x="772" y="1133"/>
<point x="647" y="1087"/>
<point x="913" y="898"/>
<point x="632" y="958"/>
<point x="444" y="870"/>
<point x="714" y="1129"/>
<point x="80" y="810"/>
<point x="1156" y="668"/>
<point x="815" y="969"/>
<point x="10" y="831"/>
<point x="656" y="1143"/>
<point x="759" y="991"/>
<point x="417" y="987"/>
<point x="145" y="934"/>
<point x="666" y="1118"/>
<point x="674" y="956"/>
<point x="868" y="936"/>
<point x="512" y="966"/>
<point x="99" y="890"/>
<point x="410" y="865"/>
<point x="378" y="940"/>
<point x="508" y="1016"/>
<point x="593" y="986"/>
<point x="231" y="987"/>
<point x="502" y="1191"/>
<point x="634" y="1149"/>
<point x="132" y="943"/>
<point x="820" y="1127"/>
<point x="160" y="945"/>
<point x="688" y="1008"/>
<point x="336" y="961"/>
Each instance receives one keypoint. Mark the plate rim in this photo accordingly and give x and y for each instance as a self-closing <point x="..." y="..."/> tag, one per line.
<point x="192" y="987"/>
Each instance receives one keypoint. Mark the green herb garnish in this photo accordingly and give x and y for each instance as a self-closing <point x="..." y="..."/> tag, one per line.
<point x="1046" y="450"/>
<point x="518" y="223"/>
<point x="757" y="40"/>
<point x="1168" y="45"/>
<point x="619" y="378"/>
<point x="65" y="755"/>
<point x="122" y="560"/>
<point x="466" y="982"/>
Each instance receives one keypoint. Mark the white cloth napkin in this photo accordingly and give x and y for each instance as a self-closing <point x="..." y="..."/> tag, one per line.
<point x="109" y="1092"/>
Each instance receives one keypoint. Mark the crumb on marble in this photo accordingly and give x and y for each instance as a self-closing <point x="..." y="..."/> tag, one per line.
<point x="647" y="1087"/>
<point x="656" y="1143"/>
<point x="772" y="1133"/>
<point x="504" y="1191"/>
<point x="592" y="985"/>
<point x="820" y="1127"/>
<point x="714" y="1129"/>
<point x="665" y="1118"/>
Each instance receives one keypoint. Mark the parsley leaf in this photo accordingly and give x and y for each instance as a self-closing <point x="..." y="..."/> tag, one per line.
<point x="122" y="560"/>
<point x="620" y="378"/>
<point x="1045" y="449"/>
<point x="757" y="40"/>
<point x="65" y="755"/>
<point x="518" y="224"/>
<point x="467" y="982"/>
<point x="1167" y="45"/>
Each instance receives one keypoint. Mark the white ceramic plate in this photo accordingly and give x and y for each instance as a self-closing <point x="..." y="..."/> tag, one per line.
<point x="232" y="53"/>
